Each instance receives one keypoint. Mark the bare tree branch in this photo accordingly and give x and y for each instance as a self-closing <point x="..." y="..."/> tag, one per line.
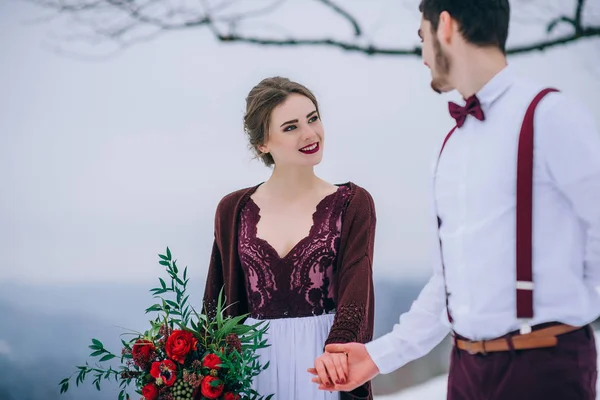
<point x="578" y="14"/>
<point x="224" y="23"/>
<point x="574" y="21"/>
<point x="345" y="14"/>
<point x="259" y="12"/>
<point x="544" y="45"/>
<point x="369" y="50"/>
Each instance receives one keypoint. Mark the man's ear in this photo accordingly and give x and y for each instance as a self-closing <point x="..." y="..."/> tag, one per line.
<point x="446" y="27"/>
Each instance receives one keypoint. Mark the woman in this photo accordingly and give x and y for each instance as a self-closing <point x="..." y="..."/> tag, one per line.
<point x="295" y="250"/>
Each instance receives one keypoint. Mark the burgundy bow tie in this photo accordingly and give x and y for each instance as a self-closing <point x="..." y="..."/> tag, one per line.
<point x="460" y="113"/>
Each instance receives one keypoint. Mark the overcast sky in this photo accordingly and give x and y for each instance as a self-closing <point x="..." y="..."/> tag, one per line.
<point x="103" y="164"/>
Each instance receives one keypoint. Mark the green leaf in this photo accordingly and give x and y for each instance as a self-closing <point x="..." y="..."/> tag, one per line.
<point x="194" y="326"/>
<point x="165" y="263"/>
<point x="97" y="353"/>
<point x="229" y="325"/>
<point x="97" y="343"/>
<point x="215" y="383"/>
<point x="155" y="307"/>
<point x="219" y="311"/>
<point x="162" y="283"/>
<point x="178" y="322"/>
<point x="168" y="253"/>
<point x="107" y="357"/>
<point x="163" y="257"/>
<point x="172" y="304"/>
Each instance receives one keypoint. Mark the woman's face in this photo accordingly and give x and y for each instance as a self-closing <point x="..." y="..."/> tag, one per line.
<point x="295" y="136"/>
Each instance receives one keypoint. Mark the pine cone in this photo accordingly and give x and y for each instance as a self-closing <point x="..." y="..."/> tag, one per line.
<point x="233" y="343"/>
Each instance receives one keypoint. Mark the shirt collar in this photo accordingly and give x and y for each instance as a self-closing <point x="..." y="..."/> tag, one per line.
<point x="492" y="90"/>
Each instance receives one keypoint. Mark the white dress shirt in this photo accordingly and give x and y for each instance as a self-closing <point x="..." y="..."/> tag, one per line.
<point x="475" y="196"/>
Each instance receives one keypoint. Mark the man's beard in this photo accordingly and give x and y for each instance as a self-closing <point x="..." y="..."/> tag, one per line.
<point x="439" y="83"/>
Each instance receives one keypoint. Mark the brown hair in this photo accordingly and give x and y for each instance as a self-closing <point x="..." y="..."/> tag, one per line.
<point x="482" y="23"/>
<point x="260" y="102"/>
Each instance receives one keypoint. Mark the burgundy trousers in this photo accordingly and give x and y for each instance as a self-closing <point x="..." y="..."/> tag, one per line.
<point x="567" y="371"/>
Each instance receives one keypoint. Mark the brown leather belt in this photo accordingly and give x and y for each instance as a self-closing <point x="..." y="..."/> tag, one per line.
<point x="545" y="337"/>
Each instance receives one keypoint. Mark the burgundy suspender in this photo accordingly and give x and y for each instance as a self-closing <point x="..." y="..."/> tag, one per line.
<point x="524" y="212"/>
<point x="439" y="225"/>
<point x="524" y="225"/>
<point x="446" y="140"/>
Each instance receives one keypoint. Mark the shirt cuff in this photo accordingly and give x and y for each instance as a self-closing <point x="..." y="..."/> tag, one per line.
<point x="385" y="354"/>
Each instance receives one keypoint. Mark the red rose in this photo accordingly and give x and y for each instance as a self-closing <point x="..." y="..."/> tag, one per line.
<point x="212" y="361"/>
<point x="209" y="391"/>
<point x="231" y="396"/>
<point x="179" y="344"/>
<point x="142" y="353"/>
<point x="165" y="370"/>
<point x="150" y="392"/>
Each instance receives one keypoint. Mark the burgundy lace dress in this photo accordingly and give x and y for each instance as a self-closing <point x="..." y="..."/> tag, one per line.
<point x="295" y="294"/>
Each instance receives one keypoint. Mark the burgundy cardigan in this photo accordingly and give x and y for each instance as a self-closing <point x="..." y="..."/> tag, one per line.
<point x="354" y="317"/>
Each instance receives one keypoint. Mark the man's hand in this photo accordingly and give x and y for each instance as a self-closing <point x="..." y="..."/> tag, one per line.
<point x="360" y="368"/>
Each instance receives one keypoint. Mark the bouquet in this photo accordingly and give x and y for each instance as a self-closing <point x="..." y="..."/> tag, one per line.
<point x="184" y="355"/>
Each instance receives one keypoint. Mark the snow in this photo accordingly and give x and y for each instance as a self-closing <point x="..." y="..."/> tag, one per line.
<point x="436" y="387"/>
<point x="433" y="389"/>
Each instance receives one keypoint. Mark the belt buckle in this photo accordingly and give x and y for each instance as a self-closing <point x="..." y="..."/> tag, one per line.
<point x="471" y="347"/>
<point x="471" y="350"/>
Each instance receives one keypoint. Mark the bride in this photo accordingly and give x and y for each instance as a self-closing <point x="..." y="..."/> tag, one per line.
<point x="295" y="250"/>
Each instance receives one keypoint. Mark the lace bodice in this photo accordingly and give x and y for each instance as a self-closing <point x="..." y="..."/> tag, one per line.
<point x="300" y="283"/>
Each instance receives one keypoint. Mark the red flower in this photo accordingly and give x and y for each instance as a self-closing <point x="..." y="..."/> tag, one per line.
<point x="150" y="392"/>
<point x="212" y="361"/>
<point x="209" y="391"/>
<point x="165" y="371"/>
<point x="143" y="353"/>
<point x="231" y="396"/>
<point x="179" y="344"/>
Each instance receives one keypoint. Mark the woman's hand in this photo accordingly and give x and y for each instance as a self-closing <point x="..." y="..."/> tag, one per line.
<point x="332" y="368"/>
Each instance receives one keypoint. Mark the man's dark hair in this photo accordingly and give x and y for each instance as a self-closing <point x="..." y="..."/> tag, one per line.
<point x="482" y="22"/>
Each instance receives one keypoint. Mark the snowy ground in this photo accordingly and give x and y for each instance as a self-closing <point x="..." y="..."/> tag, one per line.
<point x="436" y="388"/>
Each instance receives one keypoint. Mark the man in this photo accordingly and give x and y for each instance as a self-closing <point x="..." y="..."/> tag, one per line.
<point x="517" y="264"/>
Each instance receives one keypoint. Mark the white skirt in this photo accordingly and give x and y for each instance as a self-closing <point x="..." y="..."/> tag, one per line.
<point x="294" y="345"/>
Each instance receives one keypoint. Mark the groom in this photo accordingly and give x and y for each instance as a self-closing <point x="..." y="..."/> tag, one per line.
<point x="516" y="277"/>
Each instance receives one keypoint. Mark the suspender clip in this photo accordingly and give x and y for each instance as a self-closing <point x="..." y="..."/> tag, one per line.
<point x="525" y="327"/>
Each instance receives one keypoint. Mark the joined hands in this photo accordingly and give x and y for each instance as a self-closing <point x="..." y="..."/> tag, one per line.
<point x="343" y="367"/>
